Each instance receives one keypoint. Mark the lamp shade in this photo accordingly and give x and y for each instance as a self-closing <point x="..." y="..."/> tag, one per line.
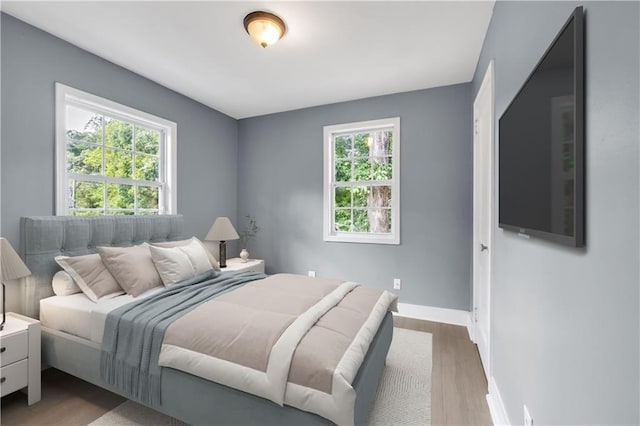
<point x="11" y="266"/>
<point x="222" y="230"/>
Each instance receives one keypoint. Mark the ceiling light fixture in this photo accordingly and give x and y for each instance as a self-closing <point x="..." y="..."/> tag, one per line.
<point x="264" y="28"/>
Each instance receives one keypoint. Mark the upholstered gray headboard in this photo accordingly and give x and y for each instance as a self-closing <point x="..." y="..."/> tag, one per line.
<point x="42" y="238"/>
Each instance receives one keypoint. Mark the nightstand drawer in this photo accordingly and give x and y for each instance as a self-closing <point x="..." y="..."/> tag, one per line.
<point x="13" y="377"/>
<point x="14" y="348"/>
<point x="237" y="265"/>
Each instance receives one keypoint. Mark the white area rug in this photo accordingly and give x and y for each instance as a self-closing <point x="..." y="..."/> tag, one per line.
<point x="403" y="397"/>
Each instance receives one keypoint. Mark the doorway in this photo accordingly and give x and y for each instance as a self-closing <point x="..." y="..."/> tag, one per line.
<point x="483" y="215"/>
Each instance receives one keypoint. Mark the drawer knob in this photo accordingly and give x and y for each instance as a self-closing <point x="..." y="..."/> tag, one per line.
<point x="2" y="350"/>
<point x="2" y="380"/>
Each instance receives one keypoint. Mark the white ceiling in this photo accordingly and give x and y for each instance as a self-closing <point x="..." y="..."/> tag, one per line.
<point x="331" y="52"/>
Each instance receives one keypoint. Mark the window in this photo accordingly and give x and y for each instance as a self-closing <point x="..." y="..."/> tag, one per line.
<point x="112" y="159"/>
<point x="362" y="182"/>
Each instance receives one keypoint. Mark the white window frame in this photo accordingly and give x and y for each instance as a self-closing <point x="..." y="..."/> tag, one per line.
<point x="330" y="132"/>
<point x="65" y="95"/>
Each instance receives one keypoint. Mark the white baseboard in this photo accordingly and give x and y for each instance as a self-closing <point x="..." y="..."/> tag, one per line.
<point x="496" y="406"/>
<point x="430" y="313"/>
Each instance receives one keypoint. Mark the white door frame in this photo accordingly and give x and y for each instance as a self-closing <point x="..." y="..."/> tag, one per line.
<point x="487" y="84"/>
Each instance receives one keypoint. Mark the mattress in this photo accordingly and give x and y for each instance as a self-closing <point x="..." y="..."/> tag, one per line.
<point x="76" y="314"/>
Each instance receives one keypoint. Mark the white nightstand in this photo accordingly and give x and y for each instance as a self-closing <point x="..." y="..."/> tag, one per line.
<point x="20" y="356"/>
<point x="236" y="265"/>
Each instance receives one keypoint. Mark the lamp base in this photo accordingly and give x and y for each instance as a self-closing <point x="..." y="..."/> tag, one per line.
<point x="223" y="254"/>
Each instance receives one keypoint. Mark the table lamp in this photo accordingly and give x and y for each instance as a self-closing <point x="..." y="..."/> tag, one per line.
<point x="222" y="230"/>
<point x="11" y="268"/>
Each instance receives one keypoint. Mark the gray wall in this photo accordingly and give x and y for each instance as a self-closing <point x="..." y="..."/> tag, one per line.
<point x="280" y="183"/>
<point x="565" y="321"/>
<point x="32" y="61"/>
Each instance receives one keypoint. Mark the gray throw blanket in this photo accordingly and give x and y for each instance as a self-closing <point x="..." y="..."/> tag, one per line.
<point x="133" y="333"/>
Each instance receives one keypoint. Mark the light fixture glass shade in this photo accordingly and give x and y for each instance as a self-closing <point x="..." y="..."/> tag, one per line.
<point x="222" y="230"/>
<point x="264" y="28"/>
<point x="11" y="266"/>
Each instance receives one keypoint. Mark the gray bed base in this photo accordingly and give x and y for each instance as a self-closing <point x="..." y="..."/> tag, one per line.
<point x="186" y="397"/>
<point x="200" y="402"/>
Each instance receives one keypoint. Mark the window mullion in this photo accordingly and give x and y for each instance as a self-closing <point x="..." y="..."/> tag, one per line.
<point x="334" y="182"/>
<point x="104" y="201"/>
<point x="116" y="180"/>
<point x="351" y="179"/>
<point x="104" y="163"/>
<point x="162" y="161"/>
<point x="104" y="158"/>
<point x="380" y="183"/>
<point x="97" y="145"/>
<point x="133" y="168"/>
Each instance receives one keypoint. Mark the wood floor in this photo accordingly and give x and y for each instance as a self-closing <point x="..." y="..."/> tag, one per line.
<point x="457" y="394"/>
<point x="458" y="384"/>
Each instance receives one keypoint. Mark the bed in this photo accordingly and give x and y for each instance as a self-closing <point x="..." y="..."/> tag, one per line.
<point x="184" y="396"/>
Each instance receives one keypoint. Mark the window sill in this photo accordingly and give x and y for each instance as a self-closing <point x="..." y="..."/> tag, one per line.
<point x="362" y="238"/>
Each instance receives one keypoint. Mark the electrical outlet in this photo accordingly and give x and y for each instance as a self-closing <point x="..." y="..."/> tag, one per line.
<point x="528" y="420"/>
<point x="397" y="284"/>
<point x="312" y="274"/>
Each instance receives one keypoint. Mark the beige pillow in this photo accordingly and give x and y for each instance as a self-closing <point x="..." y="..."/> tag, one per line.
<point x="212" y="260"/>
<point x="64" y="285"/>
<point x="91" y="275"/>
<point x="132" y="267"/>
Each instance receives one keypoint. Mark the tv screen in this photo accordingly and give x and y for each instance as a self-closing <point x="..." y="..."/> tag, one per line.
<point x="541" y="144"/>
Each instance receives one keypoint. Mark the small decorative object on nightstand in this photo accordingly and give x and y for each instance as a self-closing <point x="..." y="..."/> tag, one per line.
<point x="249" y="232"/>
<point x="237" y="265"/>
<point x="20" y="356"/>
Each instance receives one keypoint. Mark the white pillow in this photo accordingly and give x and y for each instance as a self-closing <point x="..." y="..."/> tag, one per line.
<point x="175" y="264"/>
<point x="212" y="260"/>
<point x="64" y="285"/>
<point x="172" y="264"/>
<point x="197" y="256"/>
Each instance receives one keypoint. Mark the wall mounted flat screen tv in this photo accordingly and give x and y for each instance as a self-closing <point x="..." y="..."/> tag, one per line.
<point x="541" y="145"/>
